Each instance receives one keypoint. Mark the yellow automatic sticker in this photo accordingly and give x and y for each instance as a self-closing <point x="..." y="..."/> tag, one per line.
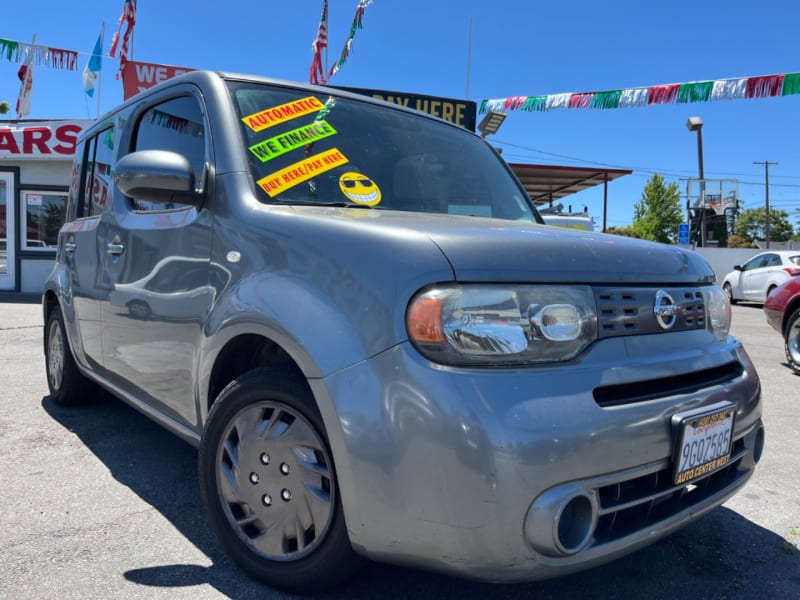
<point x="301" y="171"/>
<point x="296" y="138"/>
<point x="280" y="114"/>
<point x="359" y="189"/>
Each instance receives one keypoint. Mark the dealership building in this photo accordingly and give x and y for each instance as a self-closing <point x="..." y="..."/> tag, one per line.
<point x="35" y="170"/>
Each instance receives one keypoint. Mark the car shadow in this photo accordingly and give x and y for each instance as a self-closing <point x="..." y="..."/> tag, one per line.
<point x="791" y="369"/>
<point x="720" y="556"/>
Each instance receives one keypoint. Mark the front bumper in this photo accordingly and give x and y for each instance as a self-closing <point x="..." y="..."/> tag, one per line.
<point x="452" y="469"/>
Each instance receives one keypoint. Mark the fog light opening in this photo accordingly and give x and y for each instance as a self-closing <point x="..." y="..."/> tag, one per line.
<point x="575" y="524"/>
<point x="758" y="446"/>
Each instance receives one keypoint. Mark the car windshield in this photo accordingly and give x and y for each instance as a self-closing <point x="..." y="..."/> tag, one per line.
<point x="318" y="149"/>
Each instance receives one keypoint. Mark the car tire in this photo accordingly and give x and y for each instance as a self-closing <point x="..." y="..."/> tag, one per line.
<point x="269" y="487"/>
<point x="68" y="386"/>
<point x="729" y="293"/>
<point x="792" y="341"/>
<point x="139" y="309"/>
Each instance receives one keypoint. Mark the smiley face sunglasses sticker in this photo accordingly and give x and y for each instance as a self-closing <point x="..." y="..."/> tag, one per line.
<point x="359" y="189"/>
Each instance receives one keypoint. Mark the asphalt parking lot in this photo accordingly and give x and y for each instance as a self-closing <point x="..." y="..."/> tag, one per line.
<point x="98" y="502"/>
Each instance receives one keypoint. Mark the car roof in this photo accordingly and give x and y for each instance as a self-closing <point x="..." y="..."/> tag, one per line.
<point x="202" y="77"/>
<point x="779" y="253"/>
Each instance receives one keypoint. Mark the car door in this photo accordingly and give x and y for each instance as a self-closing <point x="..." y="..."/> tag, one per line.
<point x="81" y="241"/>
<point x="749" y="276"/>
<point x="757" y="279"/>
<point x="158" y="256"/>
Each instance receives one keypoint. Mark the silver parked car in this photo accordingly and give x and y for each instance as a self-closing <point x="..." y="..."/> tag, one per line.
<point x="390" y="357"/>
<point x="758" y="277"/>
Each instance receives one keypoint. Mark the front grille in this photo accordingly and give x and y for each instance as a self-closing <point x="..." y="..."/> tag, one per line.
<point x="686" y="383"/>
<point x="630" y="311"/>
<point x="636" y="504"/>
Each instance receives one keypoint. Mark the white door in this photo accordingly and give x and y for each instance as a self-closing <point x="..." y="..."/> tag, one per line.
<point x="7" y="227"/>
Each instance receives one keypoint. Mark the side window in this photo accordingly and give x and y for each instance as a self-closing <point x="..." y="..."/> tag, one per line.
<point x="175" y="125"/>
<point x="95" y="171"/>
<point x="75" y="194"/>
<point x="753" y="263"/>
<point x="85" y="206"/>
<point x="101" y="174"/>
<point x="773" y="260"/>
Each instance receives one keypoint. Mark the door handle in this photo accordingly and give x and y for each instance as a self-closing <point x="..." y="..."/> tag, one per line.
<point x="70" y="247"/>
<point x="115" y="249"/>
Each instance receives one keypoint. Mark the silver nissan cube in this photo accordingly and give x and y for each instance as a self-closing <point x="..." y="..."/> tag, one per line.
<point x="355" y="313"/>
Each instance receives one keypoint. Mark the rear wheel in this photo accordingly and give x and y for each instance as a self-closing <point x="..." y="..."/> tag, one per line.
<point x="792" y="341"/>
<point x="67" y="384"/>
<point x="729" y="293"/>
<point x="269" y="486"/>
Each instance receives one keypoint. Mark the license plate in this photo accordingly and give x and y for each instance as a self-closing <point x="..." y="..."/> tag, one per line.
<point x="704" y="442"/>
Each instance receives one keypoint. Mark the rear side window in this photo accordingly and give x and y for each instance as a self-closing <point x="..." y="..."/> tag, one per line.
<point x="92" y="174"/>
<point x="773" y="260"/>
<point x="175" y="125"/>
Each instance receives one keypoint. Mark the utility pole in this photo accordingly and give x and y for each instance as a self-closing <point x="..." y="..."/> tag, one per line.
<point x="766" y="164"/>
<point x="696" y="124"/>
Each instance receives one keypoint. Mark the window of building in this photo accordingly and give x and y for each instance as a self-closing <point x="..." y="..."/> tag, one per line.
<point x="44" y="214"/>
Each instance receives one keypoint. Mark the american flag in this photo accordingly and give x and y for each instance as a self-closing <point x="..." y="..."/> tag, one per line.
<point x="317" y="73"/>
<point x="128" y="17"/>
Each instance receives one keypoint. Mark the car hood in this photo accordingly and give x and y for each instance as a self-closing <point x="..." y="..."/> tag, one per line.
<point x="481" y="249"/>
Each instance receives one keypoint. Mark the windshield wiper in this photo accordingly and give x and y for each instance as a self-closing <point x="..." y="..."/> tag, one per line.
<point x="337" y="204"/>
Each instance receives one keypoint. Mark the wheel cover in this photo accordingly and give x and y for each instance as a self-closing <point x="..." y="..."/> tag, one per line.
<point x="55" y="355"/>
<point x="275" y="481"/>
<point x="139" y="309"/>
<point x="793" y="343"/>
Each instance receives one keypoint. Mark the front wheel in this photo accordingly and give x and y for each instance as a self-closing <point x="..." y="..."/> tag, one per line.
<point x="67" y="384"/>
<point x="269" y="484"/>
<point x="729" y="293"/>
<point x="792" y="341"/>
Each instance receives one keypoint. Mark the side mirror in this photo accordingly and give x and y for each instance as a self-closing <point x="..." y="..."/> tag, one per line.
<point x="737" y="267"/>
<point x="157" y="175"/>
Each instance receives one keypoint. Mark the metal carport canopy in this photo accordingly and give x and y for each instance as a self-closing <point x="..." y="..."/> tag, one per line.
<point x="547" y="183"/>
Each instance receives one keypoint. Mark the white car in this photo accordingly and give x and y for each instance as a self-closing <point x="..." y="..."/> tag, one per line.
<point x="754" y="280"/>
<point x="176" y="284"/>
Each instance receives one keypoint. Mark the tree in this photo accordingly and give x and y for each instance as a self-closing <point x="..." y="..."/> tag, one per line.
<point x="657" y="216"/>
<point x="4" y="107"/>
<point x="751" y="225"/>
<point x="735" y="241"/>
<point x="627" y="231"/>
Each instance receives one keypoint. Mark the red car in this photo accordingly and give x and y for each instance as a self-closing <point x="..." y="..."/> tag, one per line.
<point x="782" y="310"/>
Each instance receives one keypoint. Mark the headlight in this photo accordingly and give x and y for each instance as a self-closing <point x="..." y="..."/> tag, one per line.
<point x="718" y="310"/>
<point x="492" y="325"/>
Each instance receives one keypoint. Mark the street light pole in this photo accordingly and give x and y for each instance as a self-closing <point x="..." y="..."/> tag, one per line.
<point x="766" y="164"/>
<point x="696" y="124"/>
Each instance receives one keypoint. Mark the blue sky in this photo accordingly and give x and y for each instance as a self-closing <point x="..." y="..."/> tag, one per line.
<point x="518" y="48"/>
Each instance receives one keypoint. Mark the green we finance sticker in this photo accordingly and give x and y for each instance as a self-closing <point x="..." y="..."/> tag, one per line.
<point x="286" y="142"/>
